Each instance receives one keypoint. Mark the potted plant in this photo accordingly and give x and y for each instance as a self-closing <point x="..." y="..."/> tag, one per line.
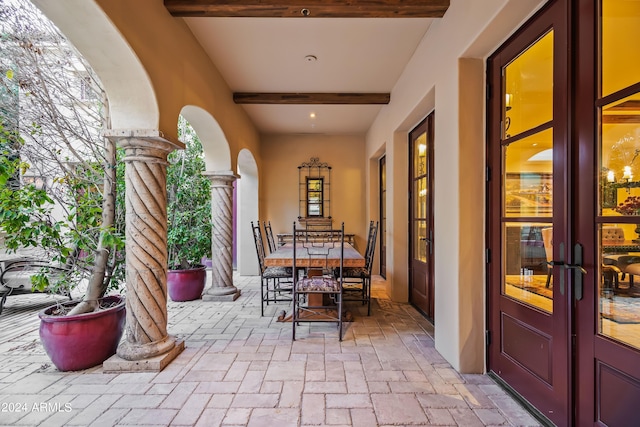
<point x="189" y="218"/>
<point x="58" y="180"/>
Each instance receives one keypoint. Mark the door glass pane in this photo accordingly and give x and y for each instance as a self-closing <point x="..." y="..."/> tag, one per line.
<point x="620" y="35"/>
<point x="619" y="285"/>
<point x="420" y="198"/>
<point x="420" y="155"/>
<point x="528" y="88"/>
<point x="420" y="240"/>
<point x="528" y="184"/>
<point x="527" y="247"/>
<point x="620" y="160"/>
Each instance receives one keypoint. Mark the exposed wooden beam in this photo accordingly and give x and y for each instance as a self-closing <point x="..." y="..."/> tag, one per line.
<point x="309" y="8"/>
<point x="310" y="98"/>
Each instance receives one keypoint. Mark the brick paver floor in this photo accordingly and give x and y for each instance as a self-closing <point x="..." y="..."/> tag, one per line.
<point x="241" y="369"/>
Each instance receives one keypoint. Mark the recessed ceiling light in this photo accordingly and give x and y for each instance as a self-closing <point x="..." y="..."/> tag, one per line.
<point x="312" y="115"/>
<point x="311" y="58"/>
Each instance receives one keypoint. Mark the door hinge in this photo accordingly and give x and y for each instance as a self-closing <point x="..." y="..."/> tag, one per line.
<point x="488" y="92"/>
<point x="487" y="337"/>
<point x="487" y="255"/>
<point x="488" y="174"/>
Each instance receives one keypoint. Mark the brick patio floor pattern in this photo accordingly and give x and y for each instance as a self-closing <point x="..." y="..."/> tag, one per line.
<point x="241" y="369"/>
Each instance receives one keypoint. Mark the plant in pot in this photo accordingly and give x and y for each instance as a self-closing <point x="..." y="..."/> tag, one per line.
<point x="58" y="180"/>
<point x="189" y="218"/>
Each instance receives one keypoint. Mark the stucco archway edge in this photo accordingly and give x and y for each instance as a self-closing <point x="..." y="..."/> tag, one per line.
<point x="217" y="154"/>
<point x="132" y="100"/>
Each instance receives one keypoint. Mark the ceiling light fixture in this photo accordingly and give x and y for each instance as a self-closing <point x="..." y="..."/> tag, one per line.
<point x="312" y="115"/>
<point x="311" y="58"/>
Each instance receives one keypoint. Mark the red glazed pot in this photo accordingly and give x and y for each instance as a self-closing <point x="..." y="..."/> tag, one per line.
<point x="186" y="285"/>
<point x="84" y="340"/>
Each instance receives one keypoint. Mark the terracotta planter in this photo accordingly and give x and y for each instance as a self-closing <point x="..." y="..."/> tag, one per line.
<point x="186" y="285"/>
<point x="85" y="340"/>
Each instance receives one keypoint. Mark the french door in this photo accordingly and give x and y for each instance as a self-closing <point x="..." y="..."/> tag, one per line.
<point x="421" y="287"/>
<point x="382" y="170"/>
<point x="563" y="137"/>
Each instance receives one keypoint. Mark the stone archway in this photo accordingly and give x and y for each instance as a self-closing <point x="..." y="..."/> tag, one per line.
<point x="218" y="170"/>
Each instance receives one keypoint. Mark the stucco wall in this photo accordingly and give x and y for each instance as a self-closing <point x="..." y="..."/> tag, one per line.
<point x="434" y="79"/>
<point x="281" y="156"/>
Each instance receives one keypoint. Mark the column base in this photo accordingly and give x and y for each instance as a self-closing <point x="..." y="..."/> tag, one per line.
<point x="224" y="294"/>
<point x="116" y="364"/>
<point x="134" y="351"/>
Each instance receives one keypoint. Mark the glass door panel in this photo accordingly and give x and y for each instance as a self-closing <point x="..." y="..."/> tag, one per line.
<point x="528" y="178"/>
<point x="619" y="45"/>
<point x="618" y="308"/>
<point x="528" y="88"/>
<point x="619" y="287"/>
<point x="421" y="199"/>
<point x="527" y="277"/>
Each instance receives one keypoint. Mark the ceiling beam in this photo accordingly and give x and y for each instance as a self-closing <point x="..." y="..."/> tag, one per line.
<point x="310" y="98"/>
<point x="309" y="8"/>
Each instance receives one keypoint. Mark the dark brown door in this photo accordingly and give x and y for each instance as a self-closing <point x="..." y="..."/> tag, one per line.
<point x="564" y="190"/>
<point x="421" y="217"/>
<point x="607" y="302"/>
<point x="383" y="215"/>
<point x="529" y="220"/>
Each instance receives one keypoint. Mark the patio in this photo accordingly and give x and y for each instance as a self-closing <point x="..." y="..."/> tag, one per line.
<point x="239" y="368"/>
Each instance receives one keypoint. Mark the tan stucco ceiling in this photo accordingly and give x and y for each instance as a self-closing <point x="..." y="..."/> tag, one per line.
<point x="269" y="55"/>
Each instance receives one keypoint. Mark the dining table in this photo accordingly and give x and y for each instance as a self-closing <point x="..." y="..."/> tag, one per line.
<point x="283" y="257"/>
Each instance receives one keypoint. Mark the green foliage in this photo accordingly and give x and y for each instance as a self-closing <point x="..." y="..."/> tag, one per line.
<point x="189" y="203"/>
<point x="29" y="220"/>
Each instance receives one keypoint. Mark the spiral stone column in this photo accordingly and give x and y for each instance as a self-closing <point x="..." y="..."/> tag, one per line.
<point x="146" y="251"/>
<point x="222" y="288"/>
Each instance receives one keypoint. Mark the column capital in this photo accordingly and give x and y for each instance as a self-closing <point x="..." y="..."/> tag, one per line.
<point x="146" y="145"/>
<point x="221" y="176"/>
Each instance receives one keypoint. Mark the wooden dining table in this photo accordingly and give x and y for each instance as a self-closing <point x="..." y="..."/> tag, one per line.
<point x="283" y="257"/>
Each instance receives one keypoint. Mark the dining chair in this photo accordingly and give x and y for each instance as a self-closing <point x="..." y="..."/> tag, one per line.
<point x="357" y="280"/>
<point x="268" y="232"/>
<point x="317" y="296"/>
<point x="275" y="282"/>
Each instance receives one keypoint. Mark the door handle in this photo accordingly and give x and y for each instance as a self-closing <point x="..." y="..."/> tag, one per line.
<point x="559" y="263"/>
<point x="577" y="266"/>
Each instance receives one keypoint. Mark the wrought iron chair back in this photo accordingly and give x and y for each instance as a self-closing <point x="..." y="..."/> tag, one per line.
<point x="275" y="282"/>
<point x="357" y="281"/>
<point x="317" y="297"/>
<point x="268" y="232"/>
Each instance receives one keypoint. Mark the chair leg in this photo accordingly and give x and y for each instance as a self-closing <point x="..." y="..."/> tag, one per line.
<point x="262" y="284"/>
<point x="368" y="282"/>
